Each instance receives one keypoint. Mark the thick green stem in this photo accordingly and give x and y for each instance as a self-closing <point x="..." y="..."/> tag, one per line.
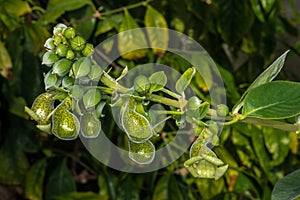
<point x="143" y="3"/>
<point x="164" y="100"/>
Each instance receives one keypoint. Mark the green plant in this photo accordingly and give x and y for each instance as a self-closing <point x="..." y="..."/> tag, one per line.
<point x="257" y="156"/>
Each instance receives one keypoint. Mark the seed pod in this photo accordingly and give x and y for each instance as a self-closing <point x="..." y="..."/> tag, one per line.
<point x="77" y="43"/>
<point x="69" y="33"/>
<point x="90" y="125"/>
<point x="141" y="84"/>
<point x="141" y="153"/>
<point x="61" y="50"/>
<point x="136" y="126"/>
<point x="88" y="50"/>
<point x="65" y="124"/>
<point x="42" y="107"/>
<point x="57" y="40"/>
<point x="222" y="110"/>
<point x="62" y="67"/>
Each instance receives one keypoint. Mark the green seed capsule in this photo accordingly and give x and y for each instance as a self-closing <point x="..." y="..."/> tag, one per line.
<point x="61" y="50"/>
<point x="49" y="58"/>
<point x="193" y="103"/>
<point x="77" y="43"/>
<point x="65" y="124"/>
<point x="90" y="125"/>
<point x="57" y="40"/>
<point x="42" y="107"/>
<point x="69" y="33"/>
<point x="141" y="153"/>
<point x="88" y="49"/>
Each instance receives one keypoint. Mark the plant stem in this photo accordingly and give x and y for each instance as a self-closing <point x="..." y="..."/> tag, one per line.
<point x="164" y="100"/>
<point x="172" y="94"/>
<point x="169" y="112"/>
<point x="143" y="3"/>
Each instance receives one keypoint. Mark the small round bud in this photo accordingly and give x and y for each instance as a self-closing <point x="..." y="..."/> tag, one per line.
<point x="70" y="55"/>
<point x="193" y="103"/>
<point x="61" y="50"/>
<point x="49" y="44"/>
<point x="77" y="43"/>
<point x="57" y="40"/>
<point x="69" y="33"/>
<point x="222" y="110"/>
<point x="58" y="29"/>
<point x="88" y="49"/>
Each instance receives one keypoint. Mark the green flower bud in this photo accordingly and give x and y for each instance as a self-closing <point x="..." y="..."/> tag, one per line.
<point x="49" y="44"/>
<point x="58" y="29"/>
<point x="62" y="67"/>
<point x="77" y="43"/>
<point x="61" y="50"/>
<point x="69" y="33"/>
<point x="57" y="40"/>
<point x="88" y="49"/>
<point x="141" y="84"/>
<point x="49" y="58"/>
<point x="222" y="110"/>
<point x="70" y="55"/>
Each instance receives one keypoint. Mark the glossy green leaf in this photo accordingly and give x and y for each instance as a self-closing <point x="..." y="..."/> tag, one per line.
<point x="38" y="35"/>
<point x="34" y="180"/>
<point x="5" y="62"/>
<point x="185" y="79"/>
<point x="67" y="82"/>
<point x="56" y="8"/>
<point x="167" y="188"/>
<point x="263" y="8"/>
<point x="80" y="196"/>
<point x="14" y="163"/>
<point x="154" y="18"/>
<point x="141" y="153"/>
<point x="108" y="23"/>
<point x="131" y="39"/>
<point x="91" y="98"/>
<point x="128" y="189"/>
<point x="274" y="100"/>
<point x="81" y="67"/>
<point x="277" y="143"/>
<point x="158" y="81"/>
<point x="234" y="15"/>
<point x="266" y="76"/>
<point x="243" y="184"/>
<point x="209" y="188"/>
<point x="95" y="72"/>
<point x="17" y="107"/>
<point x="287" y="187"/>
<point x="60" y="180"/>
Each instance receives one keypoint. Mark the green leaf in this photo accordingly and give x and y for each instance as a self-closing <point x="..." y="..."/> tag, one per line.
<point x="274" y="100"/>
<point x="288" y="187"/>
<point x="209" y="188"/>
<point x="159" y="37"/>
<point x="91" y="98"/>
<point x="243" y="184"/>
<point x="158" y="81"/>
<point x="56" y="8"/>
<point x="14" y="164"/>
<point x="277" y="143"/>
<point x="233" y="15"/>
<point x="108" y="23"/>
<point x="60" y="180"/>
<point x="50" y="80"/>
<point x="131" y="40"/>
<point x="185" y="79"/>
<point x="141" y="153"/>
<point x="5" y="62"/>
<point x="266" y="76"/>
<point x="34" y="180"/>
<point x="62" y="67"/>
<point x="167" y="188"/>
<point x="80" y="196"/>
<point x="128" y="189"/>
<point x="263" y="8"/>
<point x="38" y="34"/>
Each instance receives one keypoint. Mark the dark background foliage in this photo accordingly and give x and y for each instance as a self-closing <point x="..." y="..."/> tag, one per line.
<point x="243" y="38"/>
